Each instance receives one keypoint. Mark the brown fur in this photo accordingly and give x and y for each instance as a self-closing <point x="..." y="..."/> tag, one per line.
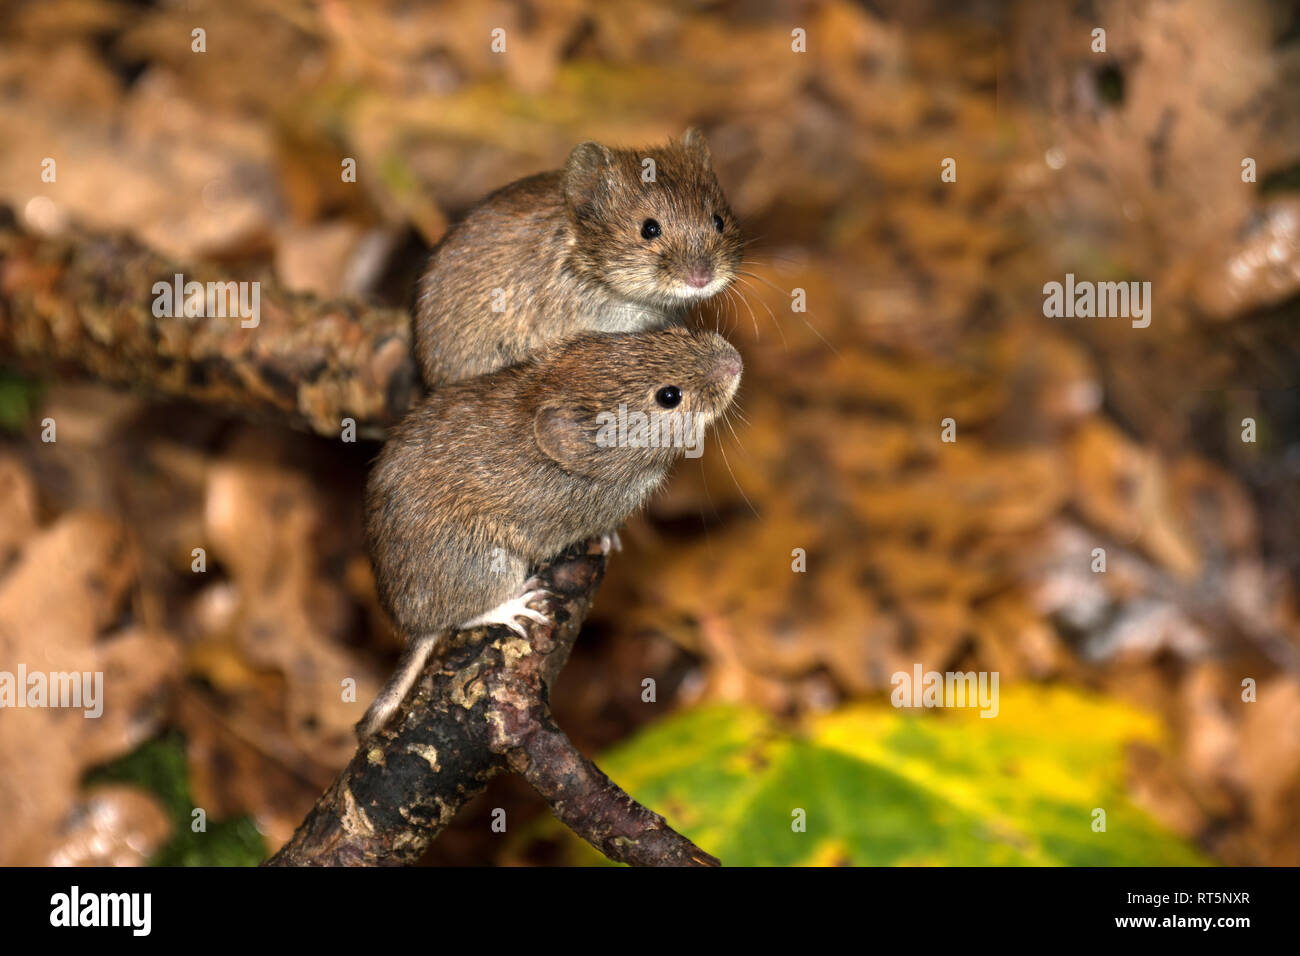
<point x="562" y="253"/>
<point x="490" y="476"/>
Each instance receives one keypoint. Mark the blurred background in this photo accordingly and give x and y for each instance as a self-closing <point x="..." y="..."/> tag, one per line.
<point x="1121" y="691"/>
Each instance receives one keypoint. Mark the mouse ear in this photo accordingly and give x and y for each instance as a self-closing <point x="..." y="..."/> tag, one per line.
<point x="585" y="171"/>
<point x="564" y="435"/>
<point x="694" y="141"/>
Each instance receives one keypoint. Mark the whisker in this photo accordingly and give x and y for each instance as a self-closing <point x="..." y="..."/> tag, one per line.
<point x="726" y="420"/>
<point x="720" y="300"/>
<point x="774" y="257"/>
<point x="708" y="496"/>
<point x="733" y="296"/>
<point x="753" y="318"/>
<point x="723" y="451"/>
<point x="715" y="305"/>
<point x="775" y="320"/>
<point x="765" y="281"/>
<point x="801" y="315"/>
<point x="825" y="340"/>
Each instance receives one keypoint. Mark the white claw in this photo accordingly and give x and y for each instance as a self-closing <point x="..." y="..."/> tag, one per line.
<point x="509" y="612"/>
<point x="610" y="542"/>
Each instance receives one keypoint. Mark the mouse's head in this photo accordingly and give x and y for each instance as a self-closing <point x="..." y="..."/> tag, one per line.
<point x="624" y="407"/>
<point x="652" y="224"/>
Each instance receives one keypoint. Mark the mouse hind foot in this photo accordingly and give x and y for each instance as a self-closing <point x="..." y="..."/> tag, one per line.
<point x="509" y="612"/>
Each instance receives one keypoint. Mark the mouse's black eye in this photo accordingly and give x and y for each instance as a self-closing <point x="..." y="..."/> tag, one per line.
<point x="650" y="229"/>
<point x="670" y="396"/>
<point x="718" y="224"/>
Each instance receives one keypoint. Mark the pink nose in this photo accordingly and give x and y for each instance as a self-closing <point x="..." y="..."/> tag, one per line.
<point x="700" y="276"/>
<point x="728" y="367"/>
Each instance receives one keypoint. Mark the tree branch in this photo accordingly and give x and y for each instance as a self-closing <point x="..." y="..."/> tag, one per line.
<point x="481" y="709"/>
<point x="596" y="808"/>
<point x="83" y="307"/>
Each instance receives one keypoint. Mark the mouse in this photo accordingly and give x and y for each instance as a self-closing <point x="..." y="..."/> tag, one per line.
<point x="592" y="247"/>
<point x="485" y="479"/>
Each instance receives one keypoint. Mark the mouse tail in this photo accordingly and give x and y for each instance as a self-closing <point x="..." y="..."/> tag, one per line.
<point x="409" y="668"/>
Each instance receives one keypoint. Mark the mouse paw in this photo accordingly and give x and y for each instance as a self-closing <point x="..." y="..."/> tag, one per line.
<point x="610" y="542"/>
<point x="509" y="613"/>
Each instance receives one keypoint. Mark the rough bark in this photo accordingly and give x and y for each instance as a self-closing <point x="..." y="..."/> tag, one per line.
<point x="83" y="307"/>
<point x="481" y="708"/>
